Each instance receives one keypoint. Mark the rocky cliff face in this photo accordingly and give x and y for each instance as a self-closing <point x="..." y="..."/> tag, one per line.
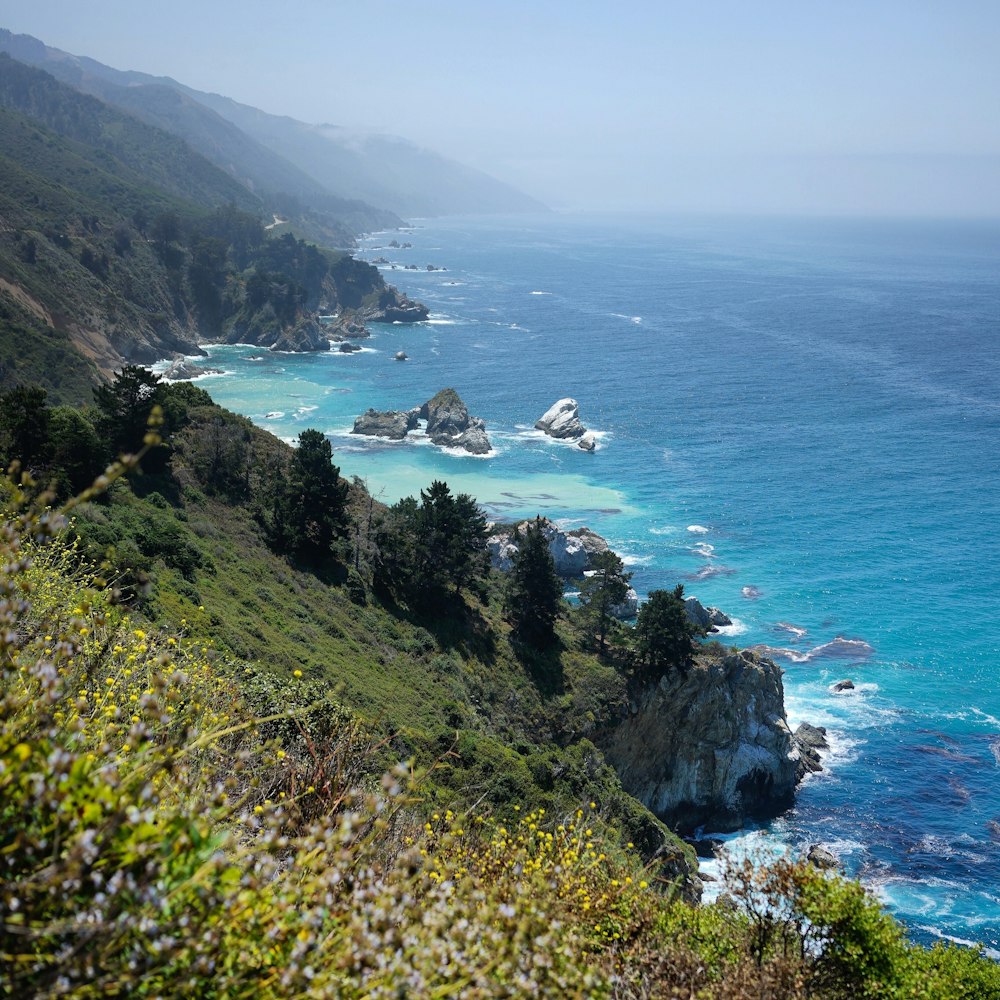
<point x="712" y="747"/>
<point x="572" y="551"/>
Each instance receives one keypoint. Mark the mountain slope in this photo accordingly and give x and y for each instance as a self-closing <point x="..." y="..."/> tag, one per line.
<point x="161" y="159"/>
<point x="274" y="153"/>
<point x="103" y="262"/>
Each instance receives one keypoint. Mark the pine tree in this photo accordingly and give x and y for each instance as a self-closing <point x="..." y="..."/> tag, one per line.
<point x="310" y="508"/>
<point x="433" y="545"/>
<point x="24" y="426"/>
<point x="603" y="591"/>
<point x="664" y="635"/>
<point x="533" y="593"/>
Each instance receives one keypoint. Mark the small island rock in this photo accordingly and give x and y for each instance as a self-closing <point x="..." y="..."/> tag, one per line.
<point x="392" y="424"/>
<point x="588" y="442"/>
<point x="562" y="420"/>
<point x="821" y="857"/>
<point x="450" y="425"/>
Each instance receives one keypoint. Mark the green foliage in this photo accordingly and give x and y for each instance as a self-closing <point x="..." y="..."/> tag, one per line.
<point x="77" y="451"/>
<point x="664" y="635"/>
<point x="176" y="822"/>
<point x="603" y="591"/>
<point x="534" y="592"/>
<point x="429" y="547"/>
<point x="310" y="504"/>
<point x="146" y="152"/>
<point x="33" y="353"/>
<point x="123" y="408"/>
<point x="121" y="241"/>
<point x="24" y="426"/>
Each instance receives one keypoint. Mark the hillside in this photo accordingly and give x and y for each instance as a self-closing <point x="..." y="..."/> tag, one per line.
<point x="322" y="166"/>
<point x="253" y="766"/>
<point x="119" y="243"/>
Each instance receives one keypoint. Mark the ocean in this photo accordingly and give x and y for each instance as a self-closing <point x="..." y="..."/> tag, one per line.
<point x="799" y="420"/>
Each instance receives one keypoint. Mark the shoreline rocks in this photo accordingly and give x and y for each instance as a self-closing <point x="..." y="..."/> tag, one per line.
<point x="572" y="551"/>
<point x="810" y="740"/>
<point x="181" y="371"/>
<point x="710" y="747"/>
<point x="402" y="309"/>
<point x="710" y="619"/>
<point x="447" y="423"/>
<point x="819" y="856"/>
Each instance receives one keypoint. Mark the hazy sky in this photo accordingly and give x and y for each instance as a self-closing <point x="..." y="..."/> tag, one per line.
<point x="756" y="105"/>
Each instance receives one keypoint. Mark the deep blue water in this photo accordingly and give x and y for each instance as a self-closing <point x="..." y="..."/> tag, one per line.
<point x="822" y="396"/>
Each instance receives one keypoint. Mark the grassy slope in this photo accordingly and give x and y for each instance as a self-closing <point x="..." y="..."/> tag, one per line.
<point x="450" y="692"/>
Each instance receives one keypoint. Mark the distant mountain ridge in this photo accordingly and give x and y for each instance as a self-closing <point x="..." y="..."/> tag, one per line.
<point x="119" y="243"/>
<point x="343" y="171"/>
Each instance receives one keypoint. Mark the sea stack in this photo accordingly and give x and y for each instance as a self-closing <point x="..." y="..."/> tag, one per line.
<point x="562" y="420"/>
<point x="448" y="423"/>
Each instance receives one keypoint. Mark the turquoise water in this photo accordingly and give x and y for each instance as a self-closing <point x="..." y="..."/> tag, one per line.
<point x="819" y="400"/>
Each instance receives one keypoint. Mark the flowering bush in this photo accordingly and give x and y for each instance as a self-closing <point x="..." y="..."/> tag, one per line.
<point x="161" y="836"/>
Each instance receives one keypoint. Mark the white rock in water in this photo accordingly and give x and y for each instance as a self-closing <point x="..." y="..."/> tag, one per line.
<point x="588" y="442"/>
<point x="562" y="420"/>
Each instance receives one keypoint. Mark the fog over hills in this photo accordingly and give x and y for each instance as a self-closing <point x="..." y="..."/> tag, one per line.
<point x="345" y="171"/>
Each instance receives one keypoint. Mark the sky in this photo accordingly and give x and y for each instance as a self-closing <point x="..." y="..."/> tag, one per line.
<point x="797" y="106"/>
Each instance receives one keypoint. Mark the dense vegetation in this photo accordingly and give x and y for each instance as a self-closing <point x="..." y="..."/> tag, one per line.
<point x="118" y="241"/>
<point x="262" y="736"/>
<point x="181" y="817"/>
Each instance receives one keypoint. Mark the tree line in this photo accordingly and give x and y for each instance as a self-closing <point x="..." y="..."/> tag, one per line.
<point x="429" y="553"/>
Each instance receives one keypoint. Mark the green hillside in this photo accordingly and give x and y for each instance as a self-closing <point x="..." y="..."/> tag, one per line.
<point x="241" y="760"/>
<point x="101" y="264"/>
<point x="272" y="153"/>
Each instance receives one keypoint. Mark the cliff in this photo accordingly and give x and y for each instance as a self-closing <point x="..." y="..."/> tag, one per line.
<point x="710" y="747"/>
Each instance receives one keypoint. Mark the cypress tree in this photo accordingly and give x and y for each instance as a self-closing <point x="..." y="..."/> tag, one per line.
<point x="533" y="593"/>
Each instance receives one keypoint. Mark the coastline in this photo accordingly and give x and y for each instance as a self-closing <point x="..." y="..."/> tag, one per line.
<point x="798" y="522"/>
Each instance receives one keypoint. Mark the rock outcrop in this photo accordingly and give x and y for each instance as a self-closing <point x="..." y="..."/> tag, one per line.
<point x="810" y="740"/>
<point x="392" y="424"/>
<point x="447" y="423"/>
<point x="710" y="619"/>
<point x="182" y="370"/>
<point x="629" y="608"/>
<point x="347" y="327"/>
<point x="572" y="551"/>
<point x="819" y="856"/>
<point x="306" y="335"/>
<point x="562" y="420"/>
<point x="400" y="309"/>
<point x="710" y="747"/>
<point x="588" y="442"/>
